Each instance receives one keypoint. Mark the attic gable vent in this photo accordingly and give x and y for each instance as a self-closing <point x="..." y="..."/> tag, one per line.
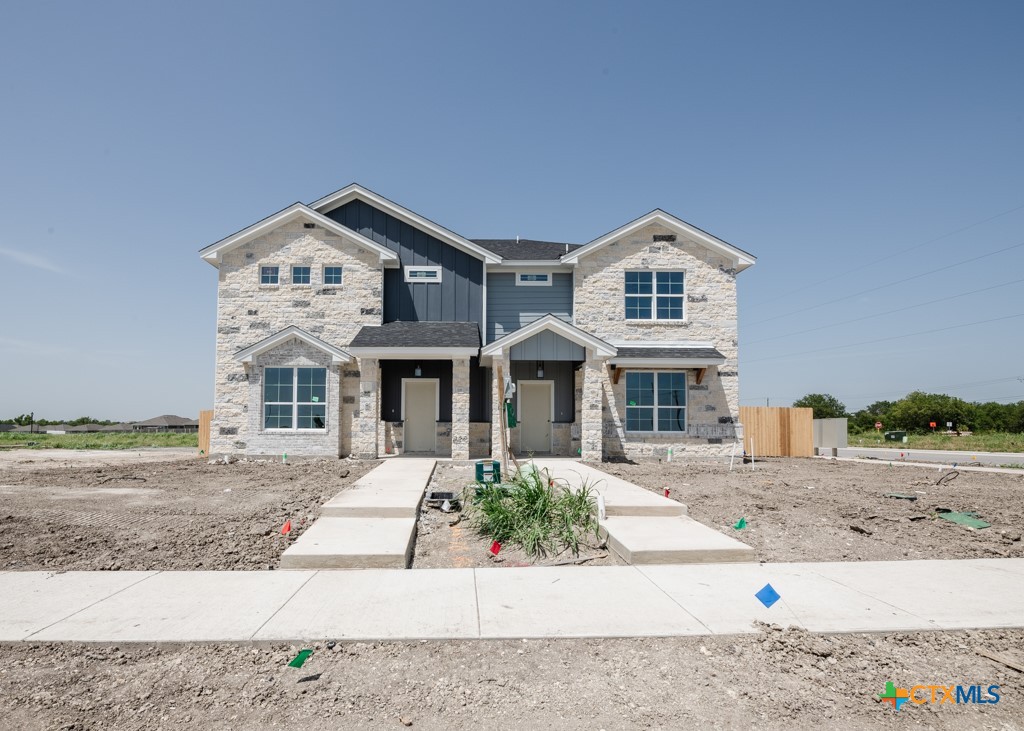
<point x="664" y="237"/>
<point x="313" y="225"/>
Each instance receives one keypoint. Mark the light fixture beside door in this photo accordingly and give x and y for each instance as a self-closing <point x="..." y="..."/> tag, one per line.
<point x="540" y="369"/>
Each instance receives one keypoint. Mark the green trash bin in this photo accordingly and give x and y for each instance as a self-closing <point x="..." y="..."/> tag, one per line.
<point x="488" y="470"/>
<point x="895" y="436"/>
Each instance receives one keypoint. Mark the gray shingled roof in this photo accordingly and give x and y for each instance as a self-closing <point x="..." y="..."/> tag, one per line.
<point x="525" y="249"/>
<point x="703" y="353"/>
<point x="167" y="420"/>
<point x="418" y="335"/>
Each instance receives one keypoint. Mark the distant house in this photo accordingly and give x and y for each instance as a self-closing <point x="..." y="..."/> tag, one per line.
<point x="124" y="426"/>
<point x="81" y="428"/>
<point x="167" y="423"/>
<point x="7" y="427"/>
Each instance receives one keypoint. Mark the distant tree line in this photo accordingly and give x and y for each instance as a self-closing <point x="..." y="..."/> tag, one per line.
<point x="26" y="419"/>
<point x="915" y="411"/>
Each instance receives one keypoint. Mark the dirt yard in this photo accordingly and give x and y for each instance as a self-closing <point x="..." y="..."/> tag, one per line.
<point x="445" y="540"/>
<point x="111" y="511"/>
<point x="778" y="679"/>
<point x="826" y="510"/>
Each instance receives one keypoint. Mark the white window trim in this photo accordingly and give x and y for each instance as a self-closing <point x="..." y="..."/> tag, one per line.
<point x="415" y="280"/>
<point x="259" y="275"/>
<point x="323" y="275"/>
<point x="294" y="403"/>
<point x="520" y="282"/>
<point x="654" y="296"/>
<point x="291" y="275"/>
<point x="655" y="406"/>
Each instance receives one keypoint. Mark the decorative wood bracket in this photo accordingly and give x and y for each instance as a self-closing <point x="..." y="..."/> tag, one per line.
<point x="616" y="372"/>
<point x="701" y="372"/>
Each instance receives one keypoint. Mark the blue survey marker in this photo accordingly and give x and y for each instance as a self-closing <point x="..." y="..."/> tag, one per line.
<point x="768" y="595"/>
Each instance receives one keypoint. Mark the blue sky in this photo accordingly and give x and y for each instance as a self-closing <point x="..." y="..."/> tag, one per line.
<point x="847" y="145"/>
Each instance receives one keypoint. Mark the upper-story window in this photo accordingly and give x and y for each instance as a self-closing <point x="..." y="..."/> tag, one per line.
<point x="332" y="275"/>
<point x="300" y="275"/>
<point x="268" y="275"/>
<point x="529" y="279"/>
<point x="655" y="295"/>
<point x="423" y="274"/>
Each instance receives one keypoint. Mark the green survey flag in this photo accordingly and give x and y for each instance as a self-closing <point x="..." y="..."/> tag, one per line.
<point x="740" y="524"/>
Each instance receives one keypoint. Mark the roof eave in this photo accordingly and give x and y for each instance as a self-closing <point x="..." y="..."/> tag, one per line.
<point x="354" y="190"/>
<point x="213" y="253"/>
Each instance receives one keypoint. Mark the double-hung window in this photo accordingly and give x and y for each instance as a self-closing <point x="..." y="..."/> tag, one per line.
<point x="300" y="275"/>
<point x="655" y="402"/>
<point x="294" y="398"/>
<point x="655" y="295"/>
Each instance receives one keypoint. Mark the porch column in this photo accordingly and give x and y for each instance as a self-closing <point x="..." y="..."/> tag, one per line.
<point x="364" y="425"/>
<point x="591" y="428"/>
<point x="498" y="404"/>
<point x="460" y="408"/>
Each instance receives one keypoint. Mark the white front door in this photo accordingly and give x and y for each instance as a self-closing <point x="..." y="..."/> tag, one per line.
<point x="535" y="409"/>
<point x="420" y="414"/>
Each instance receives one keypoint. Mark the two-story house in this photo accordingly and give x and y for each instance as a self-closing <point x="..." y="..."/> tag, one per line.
<point x="354" y="326"/>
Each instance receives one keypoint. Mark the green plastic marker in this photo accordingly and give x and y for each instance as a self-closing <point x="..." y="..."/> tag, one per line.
<point x="740" y="524"/>
<point x="300" y="659"/>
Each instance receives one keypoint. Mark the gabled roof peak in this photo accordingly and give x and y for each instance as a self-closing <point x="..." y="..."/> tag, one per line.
<point x="215" y="252"/>
<point x="740" y="258"/>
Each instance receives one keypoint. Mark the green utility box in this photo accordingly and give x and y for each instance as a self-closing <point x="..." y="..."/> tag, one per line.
<point x="895" y="436"/>
<point x="488" y="470"/>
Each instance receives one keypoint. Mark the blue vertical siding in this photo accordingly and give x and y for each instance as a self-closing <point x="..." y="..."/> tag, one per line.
<point x="459" y="296"/>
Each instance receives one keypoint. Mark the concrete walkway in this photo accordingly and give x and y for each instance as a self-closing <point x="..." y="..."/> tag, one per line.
<point x="372" y="524"/>
<point x="643" y="527"/>
<point x="942" y="456"/>
<point x="569" y="601"/>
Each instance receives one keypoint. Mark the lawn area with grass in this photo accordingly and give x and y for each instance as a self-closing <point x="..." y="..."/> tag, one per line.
<point x="98" y="440"/>
<point x="990" y="442"/>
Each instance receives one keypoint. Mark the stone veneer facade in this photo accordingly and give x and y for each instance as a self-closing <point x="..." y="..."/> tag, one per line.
<point x="710" y="315"/>
<point x="248" y="312"/>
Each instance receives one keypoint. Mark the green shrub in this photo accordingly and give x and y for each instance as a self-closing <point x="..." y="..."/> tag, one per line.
<point x="541" y="515"/>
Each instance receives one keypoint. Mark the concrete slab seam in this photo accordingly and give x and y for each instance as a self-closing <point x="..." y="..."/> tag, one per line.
<point x="284" y="603"/>
<point x="476" y="598"/>
<point x="877" y="599"/>
<point x="673" y="599"/>
<point x="108" y="596"/>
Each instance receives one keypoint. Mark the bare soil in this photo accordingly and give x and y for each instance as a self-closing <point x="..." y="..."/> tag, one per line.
<point x="447" y="540"/>
<point x="829" y="510"/>
<point x="777" y="679"/>
<point x="183" y="514"/>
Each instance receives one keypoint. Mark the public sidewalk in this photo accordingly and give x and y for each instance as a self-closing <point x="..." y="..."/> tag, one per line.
<point x="570" y="601"/>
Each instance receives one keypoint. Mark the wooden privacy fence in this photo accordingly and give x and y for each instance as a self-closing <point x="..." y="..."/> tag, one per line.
<point x="778" y="431"/>
<point x="205" y="419"/>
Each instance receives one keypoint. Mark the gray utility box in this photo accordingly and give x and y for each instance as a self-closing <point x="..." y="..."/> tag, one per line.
<point x="829" y="435"/>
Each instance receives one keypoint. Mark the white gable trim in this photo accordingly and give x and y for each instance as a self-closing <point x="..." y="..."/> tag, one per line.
<point x="291" y="332"/>
<point x="740" y="258"/>
<point x="353" y="191"/>
<point x="601" y="348"/>
<point x="215" y="252"/>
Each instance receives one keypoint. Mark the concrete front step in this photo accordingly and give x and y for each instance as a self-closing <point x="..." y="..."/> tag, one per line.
<point x="677" y="540"/>
<point x="394" y="489"/>
<point x="353" y="543"/>
<point x="621" y="498"/>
